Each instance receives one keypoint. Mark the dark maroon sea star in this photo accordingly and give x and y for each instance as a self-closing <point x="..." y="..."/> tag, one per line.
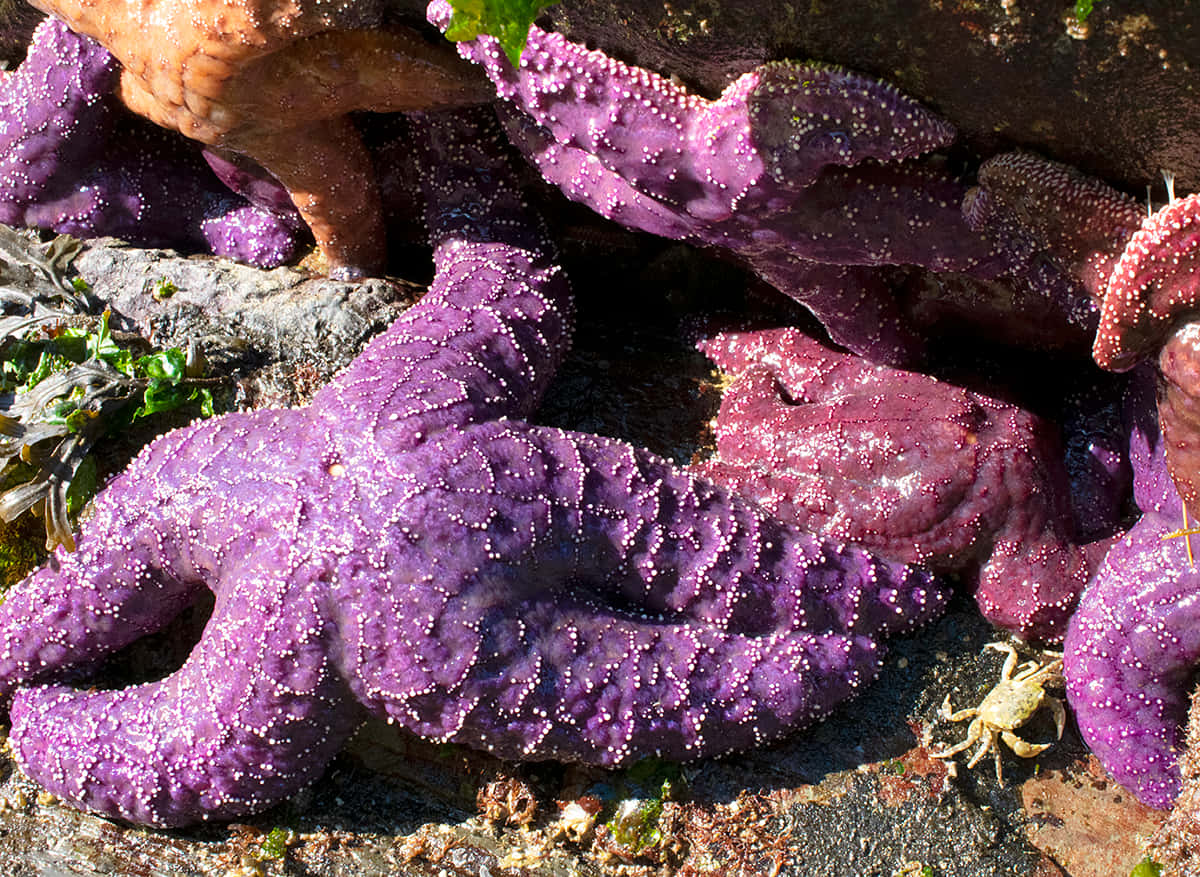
<point x="911" y="467"/>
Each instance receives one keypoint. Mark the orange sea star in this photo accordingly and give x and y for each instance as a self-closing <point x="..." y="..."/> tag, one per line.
<point x="275" y="80"/>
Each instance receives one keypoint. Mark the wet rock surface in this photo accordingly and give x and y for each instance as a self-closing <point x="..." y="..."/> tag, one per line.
<point x="288" y="329"/>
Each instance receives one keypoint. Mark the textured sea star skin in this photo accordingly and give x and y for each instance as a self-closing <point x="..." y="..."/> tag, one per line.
<point x="1151" y="306"/>
<point x="1133" y="645"/>
<point x="1079" y="221"/>
<point x="259" y="78"/>
<point x="781" y="169"/>
<point x="913" y="468"/>
<point x="1152" y="287"/>
<point x="1179" y="410"/>
<point x="57" y="92"/>
<point x="72" y="161"/>
<point x="531" y="591"/>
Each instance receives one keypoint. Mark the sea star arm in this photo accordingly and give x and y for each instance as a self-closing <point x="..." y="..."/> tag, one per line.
<point x="251" y="234"/>
<point x="492" y="328"/>
<point x="331" y="181"/>
<point x="648" y="612"/>
<point x="584" y="178"/>
<point x="1153" y="286"/>
<point x="72" y="162"/>
<point x="897" y="215"/>
<point x="302" y="95"/>
<point x="864" y="215"/>
<point x="253" y="715"/>
<point x="145" y="553"/>
<point x="235" y="505"/>
<point x="1131" y="652"/>
<point x="87" y="604"/>
<point x="781" y="169"/>
<point x="774" y="128"/>
<point x="856" y="304"/>
<point x="56" y="93"/>
<point x="1152" y="305"/>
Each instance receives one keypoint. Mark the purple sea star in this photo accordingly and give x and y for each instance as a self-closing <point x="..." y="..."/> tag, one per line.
<point x="72" y="160"/>
<point x="911" y="467"/>
<point x="793" y="164"/>
<point x="1133" y="645"/>
<point x="531" y="591"/>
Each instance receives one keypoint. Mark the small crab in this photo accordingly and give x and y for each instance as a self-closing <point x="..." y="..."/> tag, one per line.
<point x="1009" y="705"/>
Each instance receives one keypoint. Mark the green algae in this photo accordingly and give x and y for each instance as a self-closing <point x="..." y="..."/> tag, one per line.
<point x="506" y="20"/>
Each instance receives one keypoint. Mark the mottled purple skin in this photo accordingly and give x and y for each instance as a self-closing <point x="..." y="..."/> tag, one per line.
<point x="252" y="234"/>
<point x="72" y="161"/>
<point x="252" y="182"/>
<point x="1133" y="646"/>
<point x="913" y="468"/>
<point x="530" y="591"/>
<point x="792" y="164"/>
<point x="50" y="107"/>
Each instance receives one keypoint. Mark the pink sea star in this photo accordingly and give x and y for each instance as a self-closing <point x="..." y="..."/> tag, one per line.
<point x="1151" y="306"/>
